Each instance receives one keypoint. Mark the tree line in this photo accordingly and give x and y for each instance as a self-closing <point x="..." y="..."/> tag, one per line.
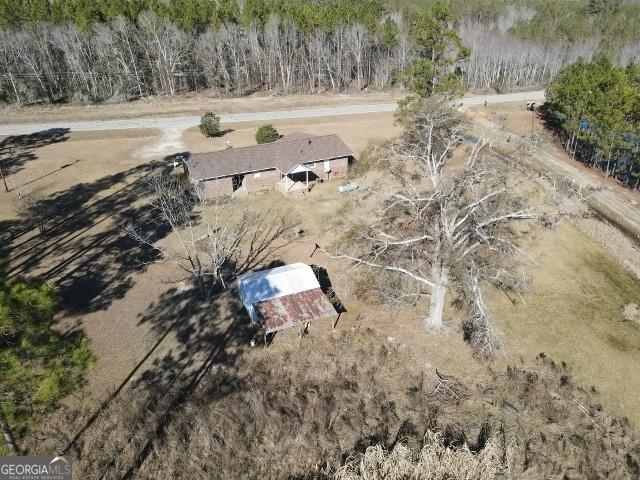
<point x="595" y="106"/>
<point x="82" y="50"/>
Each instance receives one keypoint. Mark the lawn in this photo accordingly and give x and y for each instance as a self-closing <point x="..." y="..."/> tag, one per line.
<point x="573" y="313"/>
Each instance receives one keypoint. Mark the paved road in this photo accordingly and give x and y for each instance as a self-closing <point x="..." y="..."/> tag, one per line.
<point x="190" y="121"/>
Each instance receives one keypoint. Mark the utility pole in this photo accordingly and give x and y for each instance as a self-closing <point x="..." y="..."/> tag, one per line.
<point x="3" y="177"/>
<point x="533" y="116"/>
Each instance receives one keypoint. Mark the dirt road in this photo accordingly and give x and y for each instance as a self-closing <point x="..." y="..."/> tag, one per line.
<point x="618" y="204"/>
<point x="613" y="201"/>
<point x="182" y="123"/>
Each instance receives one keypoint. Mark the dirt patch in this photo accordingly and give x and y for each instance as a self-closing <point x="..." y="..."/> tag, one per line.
<point x="631" y="313"/>
<point x="512" y="116"/>
<point x="169" y="143"/>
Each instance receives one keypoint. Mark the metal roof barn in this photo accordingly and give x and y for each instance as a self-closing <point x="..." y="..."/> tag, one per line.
<point x="284" y="297"/>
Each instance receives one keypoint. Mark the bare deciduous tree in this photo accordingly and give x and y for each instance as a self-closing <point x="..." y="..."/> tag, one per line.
<point x="152" y="56"/>
<point x="442" y="222"/>
<point x="210" y="243"/>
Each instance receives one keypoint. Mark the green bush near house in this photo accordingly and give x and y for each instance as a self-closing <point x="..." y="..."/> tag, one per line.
<point x="210" y="125"/>
<point x="267" y="134"/>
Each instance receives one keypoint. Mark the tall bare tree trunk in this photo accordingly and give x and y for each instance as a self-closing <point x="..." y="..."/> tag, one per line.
<point x="440" y="279"/>
<point x="8" y="436"/>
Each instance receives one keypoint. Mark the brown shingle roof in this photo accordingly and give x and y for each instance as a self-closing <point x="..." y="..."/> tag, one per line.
<point x="283" y="155"/>
<point x="294" y="136"/>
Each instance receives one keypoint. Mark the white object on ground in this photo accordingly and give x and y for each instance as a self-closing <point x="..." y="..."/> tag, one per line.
<point x="348" y="187"/>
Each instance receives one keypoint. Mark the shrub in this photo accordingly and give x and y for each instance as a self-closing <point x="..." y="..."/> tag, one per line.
<point x="267" y="134"/>
<point x="210" y="124"/>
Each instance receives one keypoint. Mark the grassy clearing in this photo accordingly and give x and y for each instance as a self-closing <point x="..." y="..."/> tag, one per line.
<point x="574" y="313"/>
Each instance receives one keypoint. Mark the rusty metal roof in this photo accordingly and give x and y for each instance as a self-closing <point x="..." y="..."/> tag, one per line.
<point x="284" y="154"/>
<point x="295" y="309"/>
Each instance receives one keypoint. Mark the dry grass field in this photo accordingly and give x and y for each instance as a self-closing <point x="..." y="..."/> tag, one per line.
<point x="194" y="103"/>
<point x="574" y="313"/>
<point x="96" y="183"/>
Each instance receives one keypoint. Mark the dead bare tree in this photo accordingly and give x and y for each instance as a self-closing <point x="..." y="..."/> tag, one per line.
<point x="449" y="389"/>
<point x="151" y="55"/>
<point x="442" y="222"/>
<point x="210" y="243"/>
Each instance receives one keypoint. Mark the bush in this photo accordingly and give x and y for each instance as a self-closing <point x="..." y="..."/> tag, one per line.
<point x="267" y="134"/>
<point x="210" y="124"/>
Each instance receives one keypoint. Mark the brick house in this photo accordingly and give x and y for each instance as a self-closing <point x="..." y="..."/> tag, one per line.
<point x="291" y="165"/>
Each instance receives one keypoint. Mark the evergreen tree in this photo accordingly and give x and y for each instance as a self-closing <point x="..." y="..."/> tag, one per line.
<point x="253" y="11"/>
<point x="596" y="107"/>
<point x="38" y="365"/>
<point x="439" y="50"/>
<point x="267" y="134"/>
<point x="10" y="13"/>
<point x="210" y="124"/>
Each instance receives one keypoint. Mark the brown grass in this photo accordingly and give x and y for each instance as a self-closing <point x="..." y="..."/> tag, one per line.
<point x="250" y="419"/>
<point x="574" y="313"/>
<point x="334" y="404"/>
<point x="434" y="462"/>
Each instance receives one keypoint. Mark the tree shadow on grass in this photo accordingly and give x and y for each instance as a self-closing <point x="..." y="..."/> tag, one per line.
<point x="202" y="329"/>
<point x="83" y="248"/>
<point x="17" y="150"/>
<point x="327" y="288"/>
<point x="195" y="334"/>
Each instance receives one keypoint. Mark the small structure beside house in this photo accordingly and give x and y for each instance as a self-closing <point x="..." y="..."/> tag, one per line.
<point x="291" y="165"/>
<point x="284" y="297"/>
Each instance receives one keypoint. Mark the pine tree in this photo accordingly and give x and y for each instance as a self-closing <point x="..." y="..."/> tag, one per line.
<point x="38" y="366"/>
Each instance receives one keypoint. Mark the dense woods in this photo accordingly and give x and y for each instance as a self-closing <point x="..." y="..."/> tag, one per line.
<point x="596" y="109"/>
<point x="82" y="50"/>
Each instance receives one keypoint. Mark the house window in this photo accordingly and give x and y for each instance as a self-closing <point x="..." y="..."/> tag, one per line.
<point x="256" y="175"/>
